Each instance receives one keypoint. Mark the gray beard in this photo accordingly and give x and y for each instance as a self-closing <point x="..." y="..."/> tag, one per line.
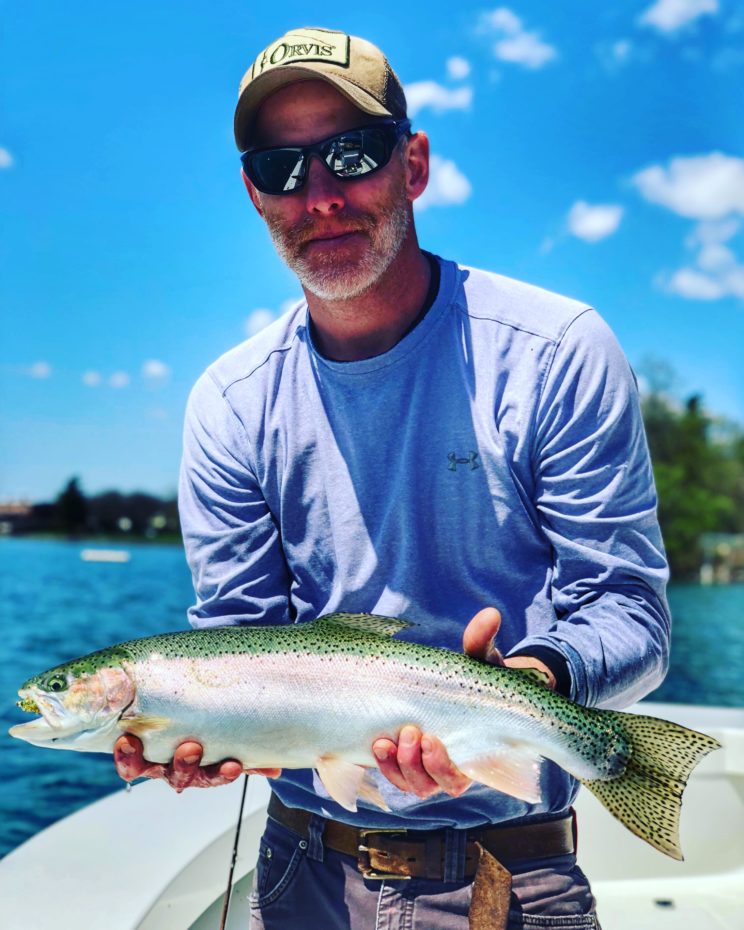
<point x="328" y="278"/>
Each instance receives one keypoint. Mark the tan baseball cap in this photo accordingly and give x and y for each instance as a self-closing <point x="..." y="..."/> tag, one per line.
<point x="354" y="66"/>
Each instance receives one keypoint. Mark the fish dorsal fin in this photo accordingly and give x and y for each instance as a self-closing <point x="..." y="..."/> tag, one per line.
<point x="511" y="769"/>
<point x="341" y="779"/>
<point x="367" y="623"/>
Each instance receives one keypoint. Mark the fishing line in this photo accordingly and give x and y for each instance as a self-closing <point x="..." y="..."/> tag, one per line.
<point x="228" y="890"/>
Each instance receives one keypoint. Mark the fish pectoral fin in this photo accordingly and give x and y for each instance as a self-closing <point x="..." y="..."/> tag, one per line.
<point x="369" y="791"/>
<point x="511" y="769"/>
<point x="342" y="780"/>
<point x="139" y="724"/>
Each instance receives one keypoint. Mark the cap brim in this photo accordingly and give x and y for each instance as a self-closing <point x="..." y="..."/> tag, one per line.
<point x="265" y="85"/>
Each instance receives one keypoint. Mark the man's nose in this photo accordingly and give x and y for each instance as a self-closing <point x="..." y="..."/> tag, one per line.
<point x="323" y="190"/>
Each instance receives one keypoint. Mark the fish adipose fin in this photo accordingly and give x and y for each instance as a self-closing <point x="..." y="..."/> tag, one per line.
<point x="367" y="623"/>
<point x="647" y="797"/>
<point x="342" y="780"/>
<point x="511" y="769"/>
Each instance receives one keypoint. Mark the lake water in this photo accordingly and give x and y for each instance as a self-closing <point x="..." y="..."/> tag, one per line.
<point x="54" y="606"/>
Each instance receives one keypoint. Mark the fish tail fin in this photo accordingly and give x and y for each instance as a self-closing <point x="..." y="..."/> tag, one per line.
<point x="647" y="797"/>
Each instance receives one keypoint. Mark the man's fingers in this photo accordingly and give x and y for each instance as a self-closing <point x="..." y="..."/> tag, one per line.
<point x="386" y="753"/>
<point x="440" y="767"/>
<point x="129" y="759"/>
<point x="411" y="764"/>
<point x="477" y="639"/>
<point x="185" y="766"/>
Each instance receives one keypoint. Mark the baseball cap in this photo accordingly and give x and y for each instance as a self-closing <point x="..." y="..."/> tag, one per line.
<point x="354" y="66"/>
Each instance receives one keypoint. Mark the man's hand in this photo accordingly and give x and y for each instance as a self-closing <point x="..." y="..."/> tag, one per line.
<point x="184" y="771"/>
<point x="419" y="762"/>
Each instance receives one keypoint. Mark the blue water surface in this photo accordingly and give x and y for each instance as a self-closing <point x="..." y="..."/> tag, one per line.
<point x="54" y="606"/>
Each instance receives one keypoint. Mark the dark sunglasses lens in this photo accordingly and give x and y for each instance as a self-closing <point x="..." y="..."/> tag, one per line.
<point x="276" y="171"/>
<point x="350" y="154"/>
<point x="357" y="153"/>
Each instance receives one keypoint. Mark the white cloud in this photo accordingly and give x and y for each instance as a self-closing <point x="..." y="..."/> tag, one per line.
<point x="119" y="379"/>
<point x="286" y="305"/>
<point x="6" y="159"/>
<point x="447" y="185"/>
<point x="516" y="45"/>
<point x="422" y="94"/>
<point x="717" y="272"/>
<point x="92" y="378"/>
<point x="594" y="222"/>
<point x="526" y="49"/>
<point x="703" y="187"/>
<point x="458" y="68"/>
<point x="621" y="50"/>
<point x="713" y="231"/>
<point x="261" y="317"/>
<point x="614" y="55"/>
<point x="257" y="320"/>
<point x="670" y="15"/>
<point x="502" y="20"/>
<point x="40" y="370"/>
<point x="687" y="282"/>
<point x="715" y="257"/>
<point x="155" y="370"/>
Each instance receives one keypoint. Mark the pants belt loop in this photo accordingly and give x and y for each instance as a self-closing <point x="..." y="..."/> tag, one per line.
<point x="455" y="842"/>
<point x="315" y="829"/>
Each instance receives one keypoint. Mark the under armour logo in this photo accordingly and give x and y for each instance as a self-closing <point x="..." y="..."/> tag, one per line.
<point x="471" y="459"/>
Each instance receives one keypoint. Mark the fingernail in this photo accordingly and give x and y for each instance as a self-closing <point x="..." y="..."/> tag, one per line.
<point x="380" y="754"/>
<point x="408" y="736"/>
<point x="426" y="744"/>
<point x="127" y="750"/>
<point x="190" y="760"/>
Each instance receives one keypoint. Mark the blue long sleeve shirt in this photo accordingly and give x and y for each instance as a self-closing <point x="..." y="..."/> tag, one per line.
<point x="494" y="456"/>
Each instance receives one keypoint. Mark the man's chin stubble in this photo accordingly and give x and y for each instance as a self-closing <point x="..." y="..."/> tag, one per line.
<point x="327" y="279"/>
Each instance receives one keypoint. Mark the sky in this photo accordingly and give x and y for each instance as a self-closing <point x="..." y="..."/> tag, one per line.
<point x="593" y="149"/>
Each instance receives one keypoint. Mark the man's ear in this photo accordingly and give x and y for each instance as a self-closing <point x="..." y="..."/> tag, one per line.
<point x="252" y="193"/>
<point x="416" y="162"/>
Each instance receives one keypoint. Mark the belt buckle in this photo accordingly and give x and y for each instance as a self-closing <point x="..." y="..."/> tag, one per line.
<point x="363" y="860"/>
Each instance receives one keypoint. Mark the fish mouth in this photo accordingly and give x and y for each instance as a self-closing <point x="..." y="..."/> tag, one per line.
<point x="52" y="722"/>
<point x="55" y="723"/>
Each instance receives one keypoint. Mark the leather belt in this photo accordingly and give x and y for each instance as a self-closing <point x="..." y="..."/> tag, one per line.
<point x="399" y="854"/>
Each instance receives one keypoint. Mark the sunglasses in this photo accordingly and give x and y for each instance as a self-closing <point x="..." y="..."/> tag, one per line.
<point x="356" y="153"/>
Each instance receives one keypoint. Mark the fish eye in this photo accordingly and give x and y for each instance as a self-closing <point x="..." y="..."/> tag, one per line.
<point x="55" y="683"/>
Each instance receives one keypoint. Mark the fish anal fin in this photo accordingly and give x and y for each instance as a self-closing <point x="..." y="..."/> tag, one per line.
<point x="513" y="770"/>
<point x="342" y="780"/>
<point x="140" y="724"/>
<point x="367" y="623"/>
<point x="369" y="791"/>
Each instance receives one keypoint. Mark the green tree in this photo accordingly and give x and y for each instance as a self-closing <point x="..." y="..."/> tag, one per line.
<point x="699" y="472"/>
<point x="71" y="509"/>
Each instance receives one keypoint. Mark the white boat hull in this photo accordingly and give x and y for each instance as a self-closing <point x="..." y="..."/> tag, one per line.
<point x="153" y="860"/>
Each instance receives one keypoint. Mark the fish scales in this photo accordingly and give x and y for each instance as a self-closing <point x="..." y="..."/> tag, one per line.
<point x="318" y="694"/>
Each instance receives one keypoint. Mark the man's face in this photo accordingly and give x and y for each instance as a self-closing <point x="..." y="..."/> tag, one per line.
<point x="339" y="237"/>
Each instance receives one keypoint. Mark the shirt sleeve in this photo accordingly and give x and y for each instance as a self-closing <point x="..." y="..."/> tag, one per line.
<point x="231" y="538"/>
<point x="596" y="503"/>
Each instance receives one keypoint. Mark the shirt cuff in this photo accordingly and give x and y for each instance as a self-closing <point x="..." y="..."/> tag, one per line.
<point x="556" y="662"/>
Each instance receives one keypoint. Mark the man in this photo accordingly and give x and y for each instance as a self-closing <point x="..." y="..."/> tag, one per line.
<point x="422" y="440"/>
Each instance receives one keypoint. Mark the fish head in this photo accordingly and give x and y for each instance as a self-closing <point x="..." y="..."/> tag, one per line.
<point x="79" y="703"/>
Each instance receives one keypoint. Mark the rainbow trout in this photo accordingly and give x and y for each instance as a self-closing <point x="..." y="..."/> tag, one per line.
<point x="316" y="695"/>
